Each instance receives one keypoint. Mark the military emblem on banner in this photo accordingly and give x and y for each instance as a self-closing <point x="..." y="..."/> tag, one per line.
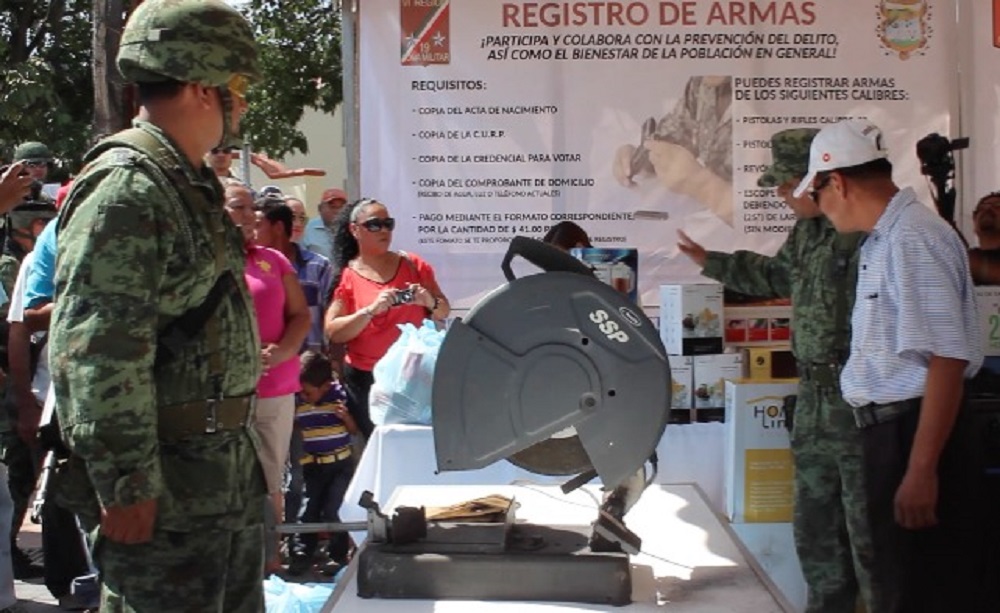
<point x="904" y="26"/>
<point x="425" y="32"/>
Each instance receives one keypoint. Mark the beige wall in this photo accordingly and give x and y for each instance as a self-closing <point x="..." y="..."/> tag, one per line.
<point x="326" y="151"/>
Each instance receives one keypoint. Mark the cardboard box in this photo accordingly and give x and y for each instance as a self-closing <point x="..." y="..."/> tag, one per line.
<point x="681" y="381"/>
<point x="681" y="389"/>
<point x="769" y="362"/>
<point x="691" y="318"/>
<point x="758" y="466"/>
<point x="710" y="375"/>
<point x="710" y="416"/>
<point x="758" y="325"/>
<point x="618" y="267"/>
<point x="988" y="300"/>
<point x="679" y="416"/>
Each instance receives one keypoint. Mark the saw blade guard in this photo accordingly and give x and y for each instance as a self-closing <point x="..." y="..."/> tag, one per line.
<point x="546" y="352"/>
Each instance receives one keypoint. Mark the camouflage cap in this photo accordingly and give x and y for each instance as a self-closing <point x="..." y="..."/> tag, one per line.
<point x="192" y="41"/>
<point x="789" y="156"/>
<point x="32" y="151"/>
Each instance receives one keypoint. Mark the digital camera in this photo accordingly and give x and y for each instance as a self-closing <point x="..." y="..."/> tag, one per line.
<point x="402" y="296"/>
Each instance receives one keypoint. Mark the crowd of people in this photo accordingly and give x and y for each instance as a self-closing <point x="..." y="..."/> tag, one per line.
<point x="892" y="502"/>
<point x="211" y="346"/>
<point x="208" y="350"/>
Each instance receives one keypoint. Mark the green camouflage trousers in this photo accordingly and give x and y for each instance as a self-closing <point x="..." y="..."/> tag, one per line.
<point x="217" y="571"/>
<point x="831" y="525"/>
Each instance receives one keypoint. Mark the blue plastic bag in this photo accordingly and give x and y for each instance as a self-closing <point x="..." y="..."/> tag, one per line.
<point x="281" y="596"/>
<point x="404" y="377"/>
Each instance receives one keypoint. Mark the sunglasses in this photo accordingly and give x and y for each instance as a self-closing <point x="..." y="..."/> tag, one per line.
<point x="818" y="187"/>
<point x="34" y="163"/>
<point x="376" y="224"/>
<point x="220" y="150"/>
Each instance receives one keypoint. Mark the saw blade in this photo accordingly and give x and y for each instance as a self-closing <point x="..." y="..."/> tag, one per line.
<point x="553" y="456"/>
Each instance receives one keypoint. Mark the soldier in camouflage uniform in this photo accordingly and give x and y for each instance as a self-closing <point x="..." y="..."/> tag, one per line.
<point x="24" y="223"/>
<point x="154" y="348"/>
<point x="37" y="159"/>
<point x="817" y="268"/>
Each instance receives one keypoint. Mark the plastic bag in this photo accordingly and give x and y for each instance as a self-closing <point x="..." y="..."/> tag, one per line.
<point x="281" y="596"/>
<point x="404" y="377"/>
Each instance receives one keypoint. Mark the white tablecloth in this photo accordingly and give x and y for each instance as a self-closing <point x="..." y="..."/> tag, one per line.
<point x="404" y="455"/>
<point x="690" y="561"/>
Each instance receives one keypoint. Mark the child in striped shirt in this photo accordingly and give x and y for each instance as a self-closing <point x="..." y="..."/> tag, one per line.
<point x="327" y="466"/>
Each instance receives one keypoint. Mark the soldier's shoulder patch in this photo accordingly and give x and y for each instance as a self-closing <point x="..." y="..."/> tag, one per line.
<point x="121" y="156"/>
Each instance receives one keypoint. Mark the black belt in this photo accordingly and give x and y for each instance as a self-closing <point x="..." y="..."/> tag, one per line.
<point x="875" y="414"/>
<point x="206" y="416"/>
<point x="824" y="375"/>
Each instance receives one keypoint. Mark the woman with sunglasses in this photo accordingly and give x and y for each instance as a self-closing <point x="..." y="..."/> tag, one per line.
<point x="376" y="289"/>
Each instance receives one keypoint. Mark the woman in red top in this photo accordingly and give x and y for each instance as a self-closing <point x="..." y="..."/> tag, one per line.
<point x="377" y="289"/>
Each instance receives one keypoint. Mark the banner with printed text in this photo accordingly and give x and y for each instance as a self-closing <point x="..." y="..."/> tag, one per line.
<point x="635" y="119"/>
<point x="980" y="89"/>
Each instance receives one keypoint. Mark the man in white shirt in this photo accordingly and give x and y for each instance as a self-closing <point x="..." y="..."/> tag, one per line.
<point x="915" y="339"/>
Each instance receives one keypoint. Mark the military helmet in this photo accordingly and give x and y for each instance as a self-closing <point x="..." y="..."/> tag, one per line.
<point x="32" y="151"/>
<point x="192" y="41"/>
<point x="789" y="156"/>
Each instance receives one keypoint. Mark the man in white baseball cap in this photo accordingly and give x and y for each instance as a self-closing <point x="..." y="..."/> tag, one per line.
<point x="844" y="144"/>
<point x="915" y="337"/>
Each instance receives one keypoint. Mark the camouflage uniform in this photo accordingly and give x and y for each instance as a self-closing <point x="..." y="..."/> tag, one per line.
<point x="21" y="462"/>
<point x="21" y="459"/>
<point x="143" y="241"/>
<point x="816" y="270"/>
<point x="9" y="265"/>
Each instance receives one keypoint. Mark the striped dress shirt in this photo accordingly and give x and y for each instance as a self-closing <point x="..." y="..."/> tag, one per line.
<point x="915" y="300"/>
<point x="316" y="277"/>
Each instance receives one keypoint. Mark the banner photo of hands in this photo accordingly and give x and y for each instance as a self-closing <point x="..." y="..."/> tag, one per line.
<point x="634" y="119"/>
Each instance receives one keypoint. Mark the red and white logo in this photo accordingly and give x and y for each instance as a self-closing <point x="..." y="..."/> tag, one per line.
<point x="425" y="32"/>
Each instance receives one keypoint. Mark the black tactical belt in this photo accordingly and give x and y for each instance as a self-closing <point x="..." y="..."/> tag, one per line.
<point x="875" y="414"/>
<point x="824" y="375"/>
<point x="206" y="416"/>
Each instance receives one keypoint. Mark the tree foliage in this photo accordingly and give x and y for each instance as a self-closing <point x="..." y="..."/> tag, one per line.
<point x="47" y="92"/>
<point x="301" y="64"/>
<point x="45" y="87"/>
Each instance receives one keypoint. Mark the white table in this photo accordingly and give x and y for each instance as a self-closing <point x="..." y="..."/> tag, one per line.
<point x="772" y="547"/>
<point x="691" y="562"/>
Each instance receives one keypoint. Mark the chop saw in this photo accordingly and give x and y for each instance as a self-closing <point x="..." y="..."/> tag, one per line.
<point x="560" y="374"/>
